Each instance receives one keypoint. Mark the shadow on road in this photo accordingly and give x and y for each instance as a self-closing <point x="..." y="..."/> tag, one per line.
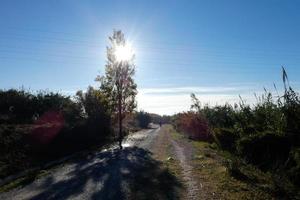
<point x="121" y="174"/>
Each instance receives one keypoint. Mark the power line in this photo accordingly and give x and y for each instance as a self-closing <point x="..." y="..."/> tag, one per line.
<point x="177" y="65"/>
<point x="157" y="47"/>
<point x="146" y="49"/>
<point x="157" y="43"/>
<point x="154" y="50"/>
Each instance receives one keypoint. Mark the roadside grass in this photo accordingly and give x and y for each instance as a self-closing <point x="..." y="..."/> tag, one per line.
<point x="155" y="181"/>
<point x="38" y="173"/>
<point x="168" y="176"/>
<point x="168" y="156"/>
<point x="163" y="151"/>
<point x="25" y="180"/>
<point x="219" y="174"/>
<point x="171" y="163"/>
<point x="244" y="183"/>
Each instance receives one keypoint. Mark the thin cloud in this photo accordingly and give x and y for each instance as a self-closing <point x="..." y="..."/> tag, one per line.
<point x="173" y="103"/>
<point x="188" y="90"/>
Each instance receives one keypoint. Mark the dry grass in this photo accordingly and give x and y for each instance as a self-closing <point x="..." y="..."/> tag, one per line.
<point x="162" y="151"/>
<point x="210" y="172"/>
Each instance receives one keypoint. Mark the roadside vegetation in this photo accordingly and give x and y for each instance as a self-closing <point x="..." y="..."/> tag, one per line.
<point x="210" y="171"/>
<point x="167" y="184"/>
<point x="257" y="142"/>
<point x="39" y="126"/>
<point x="143" y="119"/>
<point x="117" y="84"/>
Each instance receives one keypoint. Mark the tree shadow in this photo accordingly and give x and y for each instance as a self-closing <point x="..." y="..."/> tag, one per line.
<point x="130" y="173"/>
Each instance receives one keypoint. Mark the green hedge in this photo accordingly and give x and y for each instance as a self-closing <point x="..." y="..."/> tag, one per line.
<point x="266" y="150"/>
<point x="226" y="138"/>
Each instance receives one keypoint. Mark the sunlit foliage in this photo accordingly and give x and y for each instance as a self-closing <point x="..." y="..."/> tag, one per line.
<point x="117" y="83"/>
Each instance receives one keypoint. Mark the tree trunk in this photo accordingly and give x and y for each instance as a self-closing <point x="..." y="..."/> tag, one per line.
<point x="120" y="121"/>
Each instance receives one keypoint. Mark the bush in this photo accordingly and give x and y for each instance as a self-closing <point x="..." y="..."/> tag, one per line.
<point x="96" y="112"/>
<point x="266" y="134"/>
<point x="226" y="138"/>
<point x="20" y="106"/>
<point x="14" y="148"/>
<point x="16" y="106"/>
<point x="143" y="119"/>
<point x="194" y="125"/>
<point x="265" y="150"/>
<point x="293" y="166"/>
<point x="220" y="116"/>
<point x="234" y="168"/>
<point x="93" y="124"/>
<point x="43" y="126"/>
<point x="291" y="111"/>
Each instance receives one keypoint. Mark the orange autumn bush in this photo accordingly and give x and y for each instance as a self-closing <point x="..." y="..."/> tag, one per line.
<point x="194" y="125"/>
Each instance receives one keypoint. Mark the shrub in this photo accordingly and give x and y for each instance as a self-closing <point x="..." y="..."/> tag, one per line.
<point x="220" y="116"/>
<point x="267" y="150"/>
<point x="17" y="106"/>
<point x="266" y="134"/>
<point x="293" y="166"/>
<point x="14" y="148"/>
<point x="143" y="119"/>
<point x="96" y="112"/>
<point x="20" y="106"/>
<point x="234" y="168"/>
<point x="41" y="126"/>
<point x="194" y="125"/>
<point x="291" y="111"/>
<point x="267" y="115"/>
<point x="226" y="138"/>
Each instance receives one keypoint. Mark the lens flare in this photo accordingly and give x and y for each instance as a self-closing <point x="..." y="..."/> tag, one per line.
<point x="124" y="52"/>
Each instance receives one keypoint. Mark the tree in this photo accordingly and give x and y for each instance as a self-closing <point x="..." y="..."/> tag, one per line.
<point x="144" y="119"/>
<point x="196" y="104"/>
<point x="118" y="84"/>
<point x="96" y="111"/>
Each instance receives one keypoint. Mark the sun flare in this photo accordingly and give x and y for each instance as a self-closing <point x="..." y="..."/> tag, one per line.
<point x="124" y="52"/>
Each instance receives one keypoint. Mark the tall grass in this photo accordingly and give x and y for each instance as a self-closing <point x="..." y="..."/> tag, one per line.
<point x="266" y="134"/>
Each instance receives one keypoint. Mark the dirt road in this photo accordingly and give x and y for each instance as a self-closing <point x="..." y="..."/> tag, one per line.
<point x="131" y="173"/>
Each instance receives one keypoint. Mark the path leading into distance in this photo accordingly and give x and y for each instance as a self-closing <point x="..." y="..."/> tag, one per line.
<point x="101" y="175"/>
<point x="131" y="173"/>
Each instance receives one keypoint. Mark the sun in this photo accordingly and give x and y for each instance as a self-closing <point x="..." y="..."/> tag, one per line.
<point x="124" y="52"/>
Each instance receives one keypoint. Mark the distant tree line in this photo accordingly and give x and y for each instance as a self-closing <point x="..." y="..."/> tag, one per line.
<point x="143" y="119"/>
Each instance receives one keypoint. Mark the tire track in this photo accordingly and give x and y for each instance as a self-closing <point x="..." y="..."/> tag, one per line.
<point x="193" y="190"/>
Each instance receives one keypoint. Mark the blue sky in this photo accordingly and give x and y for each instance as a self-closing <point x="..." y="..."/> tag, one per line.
<point x="217" y="49"/>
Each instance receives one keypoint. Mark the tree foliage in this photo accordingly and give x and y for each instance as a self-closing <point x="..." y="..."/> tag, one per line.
<point x="40" y="126"/>
<point x="118" y="84"/>
<point x="143" y="118"/>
